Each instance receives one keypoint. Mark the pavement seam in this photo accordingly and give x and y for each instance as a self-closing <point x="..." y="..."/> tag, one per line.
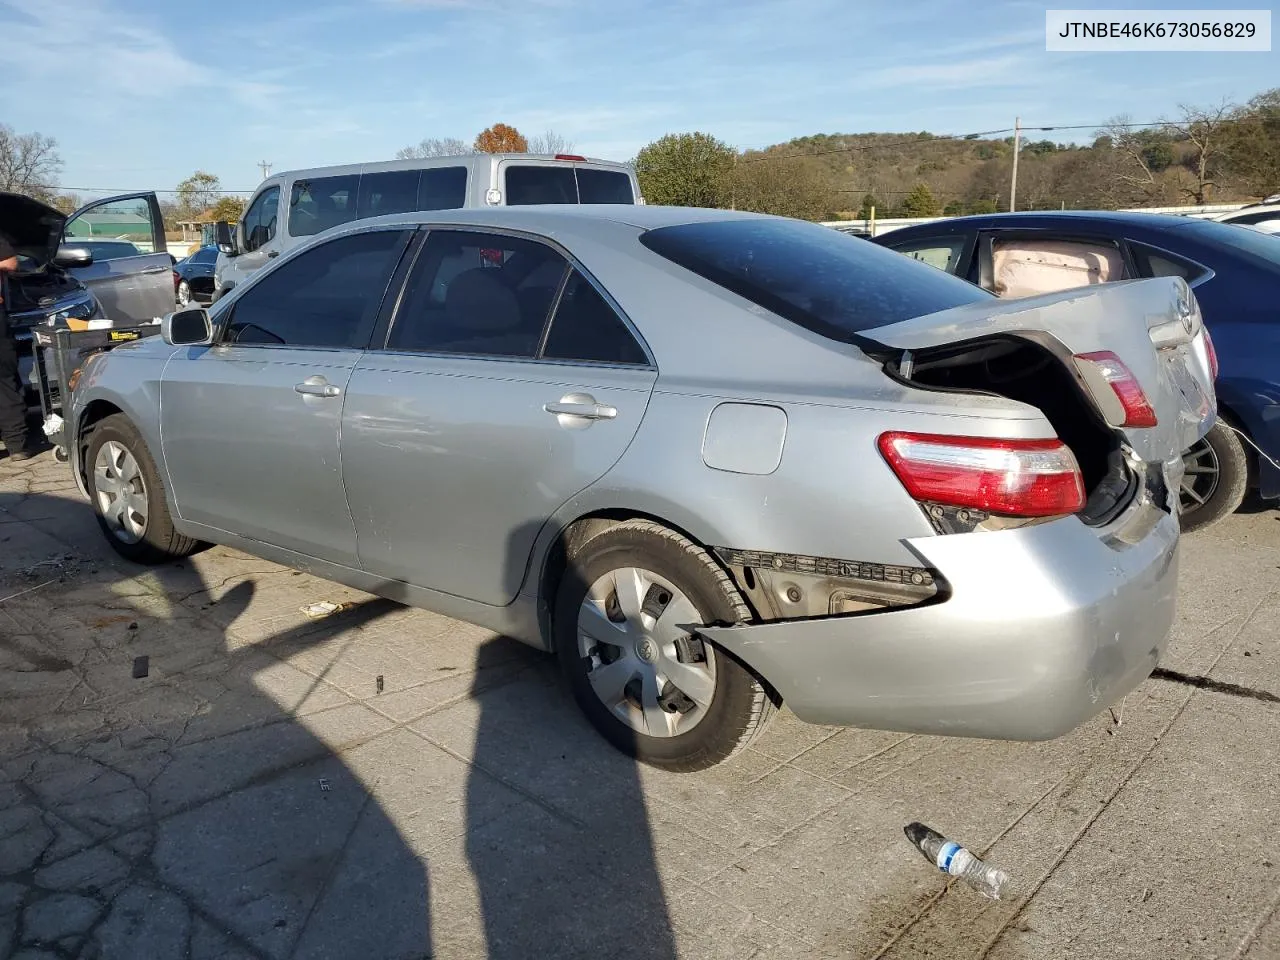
<point x="1106" y="802"/>
<point x="1251" y="935"/>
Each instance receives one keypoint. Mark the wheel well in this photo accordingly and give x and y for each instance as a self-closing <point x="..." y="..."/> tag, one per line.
<point x="97" y="411"/>
<point x="579" y="532"/>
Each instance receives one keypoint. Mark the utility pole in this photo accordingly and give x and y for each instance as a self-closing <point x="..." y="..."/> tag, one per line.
<point x="265" y="168"/>
<point x="1013" y="183"/>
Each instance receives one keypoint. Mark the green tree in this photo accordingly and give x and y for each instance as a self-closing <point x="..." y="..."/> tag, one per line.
<point x="869" y="203"/>
<point x="920" y="202"/>
<point x="686" y="170"/>
<point x="794" y="187"/>
<point x="197" y="194"/>
<point x="230" y="209"/>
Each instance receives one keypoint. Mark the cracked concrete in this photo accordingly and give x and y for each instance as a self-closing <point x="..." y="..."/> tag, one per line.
<point x="257" y="796"/>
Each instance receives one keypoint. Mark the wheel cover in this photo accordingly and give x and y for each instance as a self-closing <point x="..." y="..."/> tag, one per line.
<point x="1201" y="476"/>
<point x="631" y="635"/>
<point x="184" y="293"/>
<point x="120" y="492"/>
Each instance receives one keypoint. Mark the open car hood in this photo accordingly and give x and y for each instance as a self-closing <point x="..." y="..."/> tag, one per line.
<point x="34" y="228"/>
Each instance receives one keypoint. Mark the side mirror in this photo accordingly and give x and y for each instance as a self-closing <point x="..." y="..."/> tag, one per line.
<point x="224" y="238"/>
<point x="70" y="256"/>
<point x="187" y="328"/>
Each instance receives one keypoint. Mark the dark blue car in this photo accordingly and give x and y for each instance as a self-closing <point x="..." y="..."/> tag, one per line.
<point x="1234" y="271"/>
<point x="193" y="277"/>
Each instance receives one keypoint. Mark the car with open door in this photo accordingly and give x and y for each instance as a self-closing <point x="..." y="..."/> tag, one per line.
<point x="104" y="264"/>
<point x="1233" y="272"/>
<point x="715" y="461"/>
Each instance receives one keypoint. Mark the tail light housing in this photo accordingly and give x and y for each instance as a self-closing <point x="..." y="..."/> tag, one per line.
<point x="1212" y="352"/>
<point x="1014" y="478"/>
<point x="176" y="280"/>
<point x="1135" y="408"/>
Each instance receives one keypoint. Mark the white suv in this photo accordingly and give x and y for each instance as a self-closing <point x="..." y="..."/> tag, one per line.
<point x="290" y="207"/>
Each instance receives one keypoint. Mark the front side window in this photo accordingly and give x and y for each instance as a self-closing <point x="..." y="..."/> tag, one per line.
<point x="261" y="219"/>
<point x="443" y="188"/>
<point x="818" y="278"/>
<point x="941" y="252"/>
<point x="326" y="297"/>
<point x="385" y="193"/>
<point x="319" y="203"/>
<point x="478" y="294"/>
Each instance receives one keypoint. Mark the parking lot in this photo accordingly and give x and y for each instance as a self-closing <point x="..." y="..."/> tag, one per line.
<point x="384" y="782"/>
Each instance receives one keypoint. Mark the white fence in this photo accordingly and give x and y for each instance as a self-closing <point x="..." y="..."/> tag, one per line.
<point x="873" y="228"/>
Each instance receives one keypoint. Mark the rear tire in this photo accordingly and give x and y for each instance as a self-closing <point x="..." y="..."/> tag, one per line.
<point x="703" y="706"/>
<point x="128" y="496"/>
<point x="1217" y="478"/>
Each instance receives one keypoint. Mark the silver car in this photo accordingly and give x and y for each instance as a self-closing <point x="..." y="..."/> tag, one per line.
<point x="715" y="461"/>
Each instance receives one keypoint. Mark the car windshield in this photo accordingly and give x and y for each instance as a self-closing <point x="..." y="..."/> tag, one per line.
<point x="819" y="278"/>
<point x="1265" y="246"/>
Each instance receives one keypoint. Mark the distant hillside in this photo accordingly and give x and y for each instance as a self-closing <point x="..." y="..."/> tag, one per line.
<point x="1209" y="156"/>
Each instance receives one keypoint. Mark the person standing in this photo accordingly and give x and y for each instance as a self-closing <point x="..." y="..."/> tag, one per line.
<point x="13" y="401"/>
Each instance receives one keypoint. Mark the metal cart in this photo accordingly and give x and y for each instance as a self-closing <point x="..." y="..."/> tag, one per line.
<point x="58" y="354"/>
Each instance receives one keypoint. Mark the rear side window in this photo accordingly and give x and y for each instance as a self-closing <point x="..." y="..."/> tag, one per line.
<point x="1160" y="263"/>
<point x="443" y="188"/>
<point x="528" y="184"/>
<point x="604" y="186"/>
<point x="586" y="328"/>
<point x="1031" y="266"/>
<point x="320" y="203"/>
<point x="384" y="193"/>
<point x="825" y="281"/>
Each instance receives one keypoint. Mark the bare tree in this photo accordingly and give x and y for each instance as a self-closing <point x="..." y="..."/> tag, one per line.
<point x="435" y="147"/>
<point x="1139" y="166"/>
<point x="29" y="163"/>
<point x="1204" y="129"/>
<point x="550" y="143"/>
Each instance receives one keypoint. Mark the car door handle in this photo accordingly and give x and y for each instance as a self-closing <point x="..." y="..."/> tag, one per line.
<point x="580" y="406"/>
<point x="317" y="387"/>
<point x="158" y="270"/>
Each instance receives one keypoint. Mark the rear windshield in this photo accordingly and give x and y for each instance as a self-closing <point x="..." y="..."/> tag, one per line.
<point x="530" y="183"/>
<point x="1265" y="246"/>
<point x="819" y="278"/>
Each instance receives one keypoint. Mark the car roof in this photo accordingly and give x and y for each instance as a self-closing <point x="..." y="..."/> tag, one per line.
<point x="427" y="163"/>
<point x="1064" y="218"/>
<point x="548" y="217"/>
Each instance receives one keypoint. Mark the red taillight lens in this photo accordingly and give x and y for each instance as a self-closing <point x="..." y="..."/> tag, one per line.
<point x="1016" y="478"/>
<point x="1137" y="409"/>
<point x="571" y="156"/>
<point x="176" y="279"/>
<point x="1213" y="354"/>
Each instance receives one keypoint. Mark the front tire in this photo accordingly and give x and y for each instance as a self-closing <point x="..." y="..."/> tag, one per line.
<point x="128" y="495"/>
<point x="653" y="689"/>
<point x="1216" y="478"/>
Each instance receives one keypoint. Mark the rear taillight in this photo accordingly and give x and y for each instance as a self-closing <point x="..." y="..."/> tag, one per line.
<point x="1015" y="478"/>
<point x="1213" y="354"/>
<point x="1136" y="409"/>
<point x="176" y="279"/>
<point x="571" y="156"/>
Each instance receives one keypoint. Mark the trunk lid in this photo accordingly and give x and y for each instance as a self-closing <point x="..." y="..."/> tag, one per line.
<point x="1153" y="326"/>
<point x="34" y="228"/>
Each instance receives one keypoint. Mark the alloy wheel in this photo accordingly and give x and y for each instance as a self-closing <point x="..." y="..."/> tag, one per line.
<point x="1200" y="476"/>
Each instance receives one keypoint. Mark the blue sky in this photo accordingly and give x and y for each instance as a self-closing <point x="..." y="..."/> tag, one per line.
<point x="140" y="94"/>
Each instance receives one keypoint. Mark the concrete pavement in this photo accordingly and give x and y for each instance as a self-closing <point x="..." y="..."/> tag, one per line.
<point x="257" y="794"/>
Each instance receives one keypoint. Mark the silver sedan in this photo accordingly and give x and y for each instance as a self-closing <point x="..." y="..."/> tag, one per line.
<point x="716" y="462"/>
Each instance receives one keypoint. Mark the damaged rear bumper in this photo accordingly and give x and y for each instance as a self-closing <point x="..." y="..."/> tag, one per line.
<point x="1044" y="627"/>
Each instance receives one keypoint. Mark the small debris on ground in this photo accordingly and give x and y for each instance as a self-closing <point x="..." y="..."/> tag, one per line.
<point x="379" y="683"/>
<point x="325" y="608"/>
<point x="141" y="667"/>
<point x="324" y="784"/>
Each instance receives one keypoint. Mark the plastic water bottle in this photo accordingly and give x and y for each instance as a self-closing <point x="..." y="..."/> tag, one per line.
<point x="954" y="860"/>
